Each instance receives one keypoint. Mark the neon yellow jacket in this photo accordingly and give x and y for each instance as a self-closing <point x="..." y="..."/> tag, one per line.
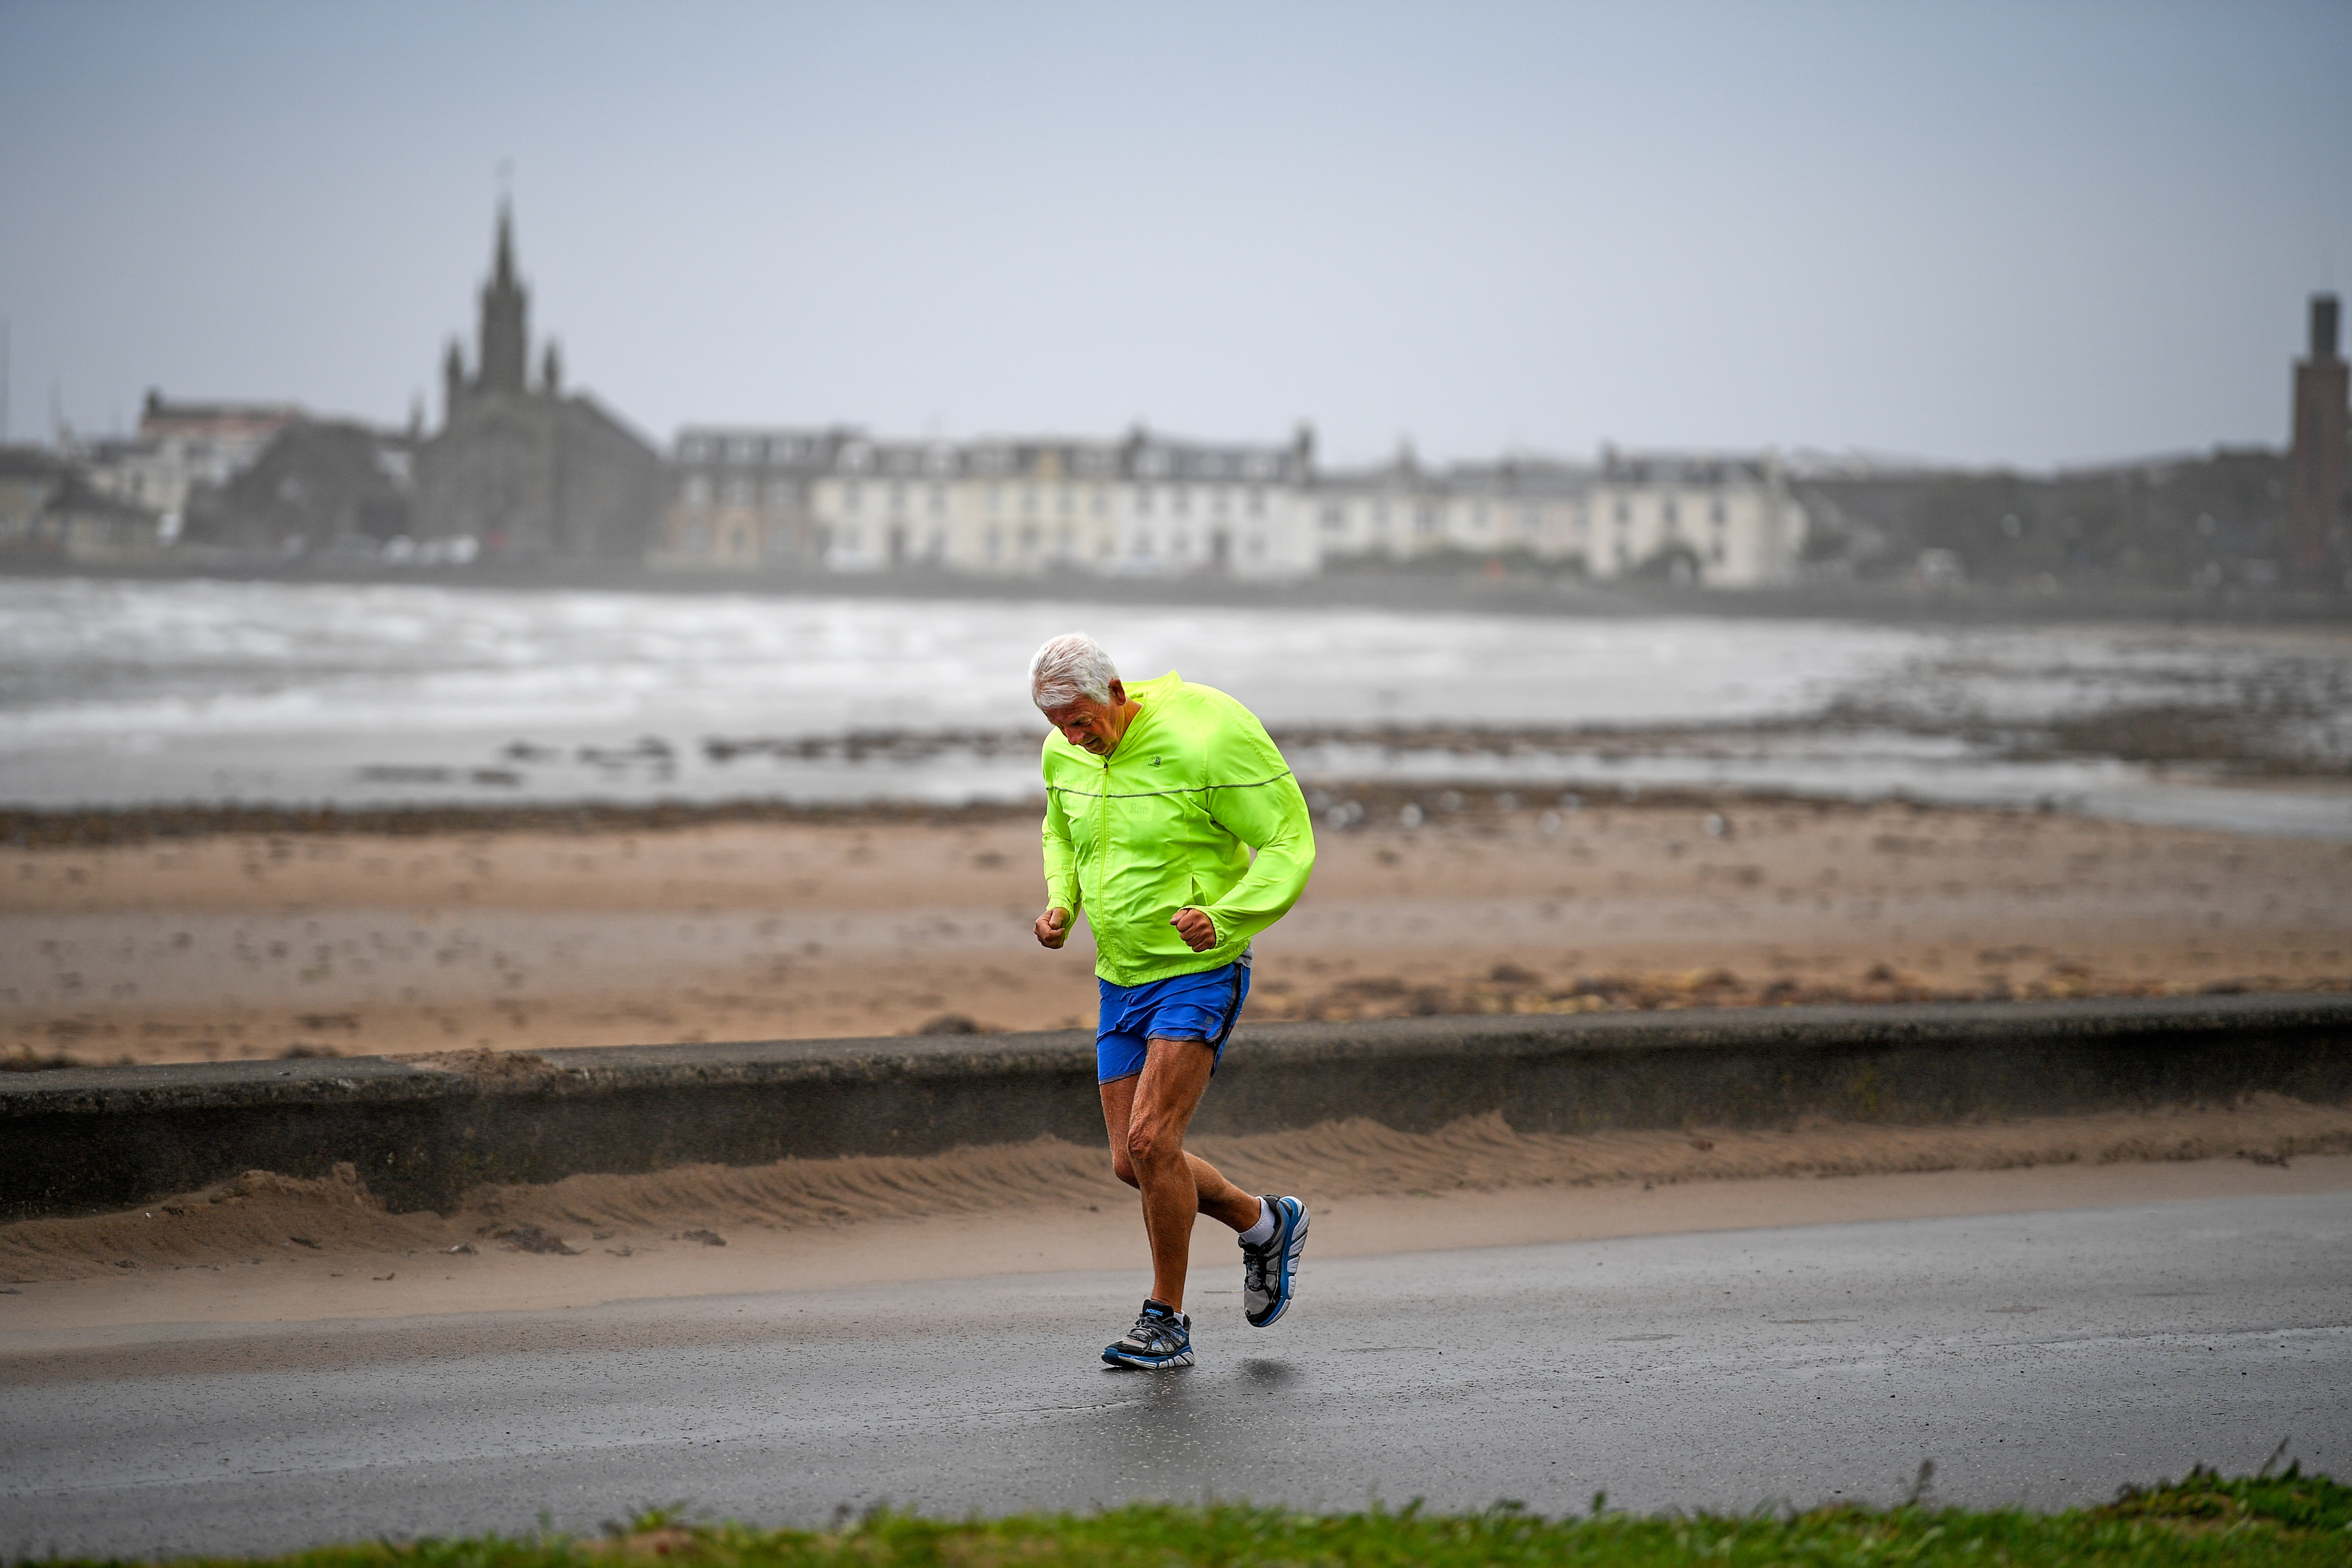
<point x="1167" y="822"/>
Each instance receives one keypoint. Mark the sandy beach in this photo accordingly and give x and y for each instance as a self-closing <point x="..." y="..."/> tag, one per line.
<point x="228" y="945"/>
<point x="522" y="931"/>
<point x="264" y="1247"/>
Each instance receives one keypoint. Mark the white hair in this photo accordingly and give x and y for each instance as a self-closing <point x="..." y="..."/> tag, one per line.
<point x="1070" y="667"/>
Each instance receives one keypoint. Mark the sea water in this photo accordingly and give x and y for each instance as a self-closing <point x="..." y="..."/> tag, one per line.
<point x="122" y="693"/>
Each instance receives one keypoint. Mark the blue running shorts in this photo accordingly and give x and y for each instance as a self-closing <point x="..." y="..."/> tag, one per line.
<point x="1185" y="1007"/>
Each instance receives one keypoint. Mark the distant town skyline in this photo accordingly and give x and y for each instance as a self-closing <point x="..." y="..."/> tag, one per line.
<point x="1978" y="234"/>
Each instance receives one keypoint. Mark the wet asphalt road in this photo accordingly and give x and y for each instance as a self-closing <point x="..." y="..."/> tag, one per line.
<point x="2042" y="1359"/>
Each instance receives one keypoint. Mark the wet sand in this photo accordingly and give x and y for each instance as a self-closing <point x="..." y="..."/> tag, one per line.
<point x="253" y="944"/>
<point x="273" y="1248"/>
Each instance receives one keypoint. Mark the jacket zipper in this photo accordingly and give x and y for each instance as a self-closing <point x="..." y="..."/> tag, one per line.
<point x="1102" y="843"/>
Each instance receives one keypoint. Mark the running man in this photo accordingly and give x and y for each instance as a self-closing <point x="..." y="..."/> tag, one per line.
<point x="1156" y="795"/>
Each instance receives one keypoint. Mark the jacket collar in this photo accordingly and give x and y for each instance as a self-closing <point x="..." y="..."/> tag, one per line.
<point x="1149" y="695"/>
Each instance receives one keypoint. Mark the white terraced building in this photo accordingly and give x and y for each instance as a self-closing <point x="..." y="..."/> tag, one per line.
<point x="1723" y="522"/>
<point x="836" y="499"/>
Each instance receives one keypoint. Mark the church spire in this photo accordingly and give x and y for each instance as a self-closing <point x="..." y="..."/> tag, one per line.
<point x="505" y="337"/>
<point x="503" y="276"/>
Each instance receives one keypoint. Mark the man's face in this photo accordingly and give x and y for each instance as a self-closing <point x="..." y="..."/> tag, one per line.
<point x="1090" y="725"/>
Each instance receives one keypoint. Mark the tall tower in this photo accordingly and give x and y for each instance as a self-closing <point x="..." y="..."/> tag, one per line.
<point x="505" y="340"/>
<point x="453" y="382"/>
<point x="2316" y="475"/>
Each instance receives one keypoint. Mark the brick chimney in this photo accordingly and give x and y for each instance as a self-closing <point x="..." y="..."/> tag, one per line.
<point x="2316" y="476"/>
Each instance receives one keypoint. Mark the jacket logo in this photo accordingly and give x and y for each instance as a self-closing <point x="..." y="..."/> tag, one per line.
<point x="1155" y="762"/>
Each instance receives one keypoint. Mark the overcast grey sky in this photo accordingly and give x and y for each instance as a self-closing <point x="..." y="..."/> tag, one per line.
<point x="2032" y="233"/>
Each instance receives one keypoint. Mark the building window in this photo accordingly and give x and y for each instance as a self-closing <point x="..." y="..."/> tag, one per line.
<point x="1530" y="521"/>
<point x="1257" y="503"/>
<point x="938" y="502"/>
<point x="1714" y="514"/>
<point x="993" y="544"/>
<point x="1334" y="518"/>
<point x="1624" y="513"/>
<point x="1426" y="519"/>
<point x="698" y="491"/>
<point x="1182" y="502"/>
<point x="1672" y="515"/>
<point x="738" y="492"/>
<point x="853" y="495"/>
<point x="780" y="493"/>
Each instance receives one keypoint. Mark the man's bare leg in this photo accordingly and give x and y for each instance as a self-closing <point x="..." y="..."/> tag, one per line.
<point x="1146" y="1116"/>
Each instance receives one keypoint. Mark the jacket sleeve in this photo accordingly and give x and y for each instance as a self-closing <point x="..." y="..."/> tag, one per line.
<point x="1061" y="859"/>
<point x="1263" y="807"/>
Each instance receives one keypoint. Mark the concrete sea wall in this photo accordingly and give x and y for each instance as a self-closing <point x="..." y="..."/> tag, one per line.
<point x="83" y="1140"/>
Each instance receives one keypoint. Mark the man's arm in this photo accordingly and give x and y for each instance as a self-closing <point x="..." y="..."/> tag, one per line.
<point x="1061" y="876"/>
<point x="1265" y="810"/>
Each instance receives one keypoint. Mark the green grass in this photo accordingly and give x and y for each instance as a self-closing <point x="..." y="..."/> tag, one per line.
<point x="2287" y="1519"/>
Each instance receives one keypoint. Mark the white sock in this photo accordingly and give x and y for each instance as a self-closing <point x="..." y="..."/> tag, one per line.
<point x="1262" y="1232"/>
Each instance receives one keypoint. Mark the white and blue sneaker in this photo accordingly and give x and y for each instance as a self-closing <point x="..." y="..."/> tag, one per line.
<point x="1270" y="1270"/>
<point x="1160" y="1340"/>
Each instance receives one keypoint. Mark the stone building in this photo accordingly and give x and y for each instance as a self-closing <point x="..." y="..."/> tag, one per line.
<point x="836" y="499"/>
<point x="91" y="527"/>
<point x="321" y="486"/>
<point x="839" y="501"/>
<point x="744" y="497"/>
<point x="1144" y="504"/>
<point x="1699" y="519"/>
<point x="523" y="467"/>
<point x="30" y="476"/>
<point x="1694" y="517"/>
<point x="182" y="450"/>
<point x="52" y="511"/>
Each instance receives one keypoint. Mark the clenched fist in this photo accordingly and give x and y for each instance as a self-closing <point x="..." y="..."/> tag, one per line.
<point x="1053" y="928"/>
<point x="1199" y="931"/>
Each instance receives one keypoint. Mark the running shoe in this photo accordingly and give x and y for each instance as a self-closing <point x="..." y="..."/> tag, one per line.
<point x="1161" y="1338"/>
<point x="1270" y="1272"/>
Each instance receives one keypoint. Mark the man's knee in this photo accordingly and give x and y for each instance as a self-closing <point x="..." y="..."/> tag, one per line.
<point x="1149" y="1147"/>
<point x="1123" y="1167"/>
